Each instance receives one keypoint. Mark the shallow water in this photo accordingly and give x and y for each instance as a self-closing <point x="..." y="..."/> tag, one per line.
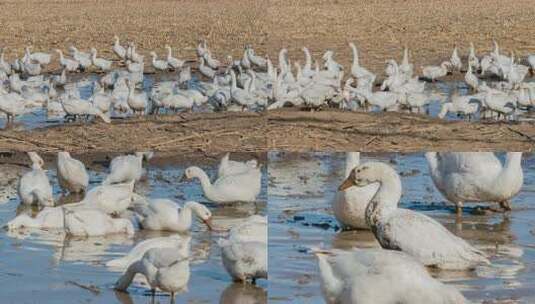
<point x="301" y="187"/>
<point x="42" y="267"/>
<point x="37" y="118"/>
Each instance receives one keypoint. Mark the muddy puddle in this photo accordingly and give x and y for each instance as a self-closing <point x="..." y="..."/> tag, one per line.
<point x="301" y="187"/>
<point x="39" y="267"/>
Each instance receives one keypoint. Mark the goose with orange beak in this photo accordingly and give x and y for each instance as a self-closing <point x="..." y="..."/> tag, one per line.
<point x="414" y="233"/>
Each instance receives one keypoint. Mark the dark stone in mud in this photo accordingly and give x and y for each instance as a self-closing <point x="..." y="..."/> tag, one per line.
<point x="298" y="218"/>
<point x="325" y="226"/>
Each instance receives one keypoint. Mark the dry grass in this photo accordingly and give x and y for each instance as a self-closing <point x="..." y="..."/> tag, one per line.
<point x="290" y="130"/>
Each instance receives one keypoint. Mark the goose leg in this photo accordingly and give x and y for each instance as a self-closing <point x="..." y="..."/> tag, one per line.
<point x="172" y="299"/>
<point x="459" y="208"/>
<point x="506" y="205"/>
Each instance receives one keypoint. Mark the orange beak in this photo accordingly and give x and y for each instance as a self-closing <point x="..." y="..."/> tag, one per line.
<point x="208" y="223"/>
<point x="348" y="183"/>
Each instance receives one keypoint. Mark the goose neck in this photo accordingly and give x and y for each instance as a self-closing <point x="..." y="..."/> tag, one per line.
<point x="352" y="160"/>
<point x="385" y="200"/>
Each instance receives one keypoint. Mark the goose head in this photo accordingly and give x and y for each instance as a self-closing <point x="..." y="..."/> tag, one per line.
<point x="368" y="173"/>
<point x="153" y="55"/>
<point x="37" y="161"/>
<point x="201" y="211"/>
<point x="193" y="172"/>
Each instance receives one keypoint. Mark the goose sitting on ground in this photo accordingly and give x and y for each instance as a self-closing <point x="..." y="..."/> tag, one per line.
<point x="244" y="187"/>
<point x="126" y="168"/>
<point x="172" y="61"/>
<point x="166" y="215"/>
<point x="432" y="72"/>
<point x="72" y="175"/>
<point x="349" y="206"/>
<point x="178" y="242"/>
<point x="34" y="186"/>
<point x="85" y="222"/>
<point x="67" y="64"/>
<point x="159" y="65"/>
<point x="377" y="276"/>
<point x="101" y="63"/>
<point x="414" y="233"/>
<point x="245" y="260"/>
<point x="464" y="177"/>
<point x="232" y="167"/>
<point x="164" y="268"/>
<point x="39" y="57"/>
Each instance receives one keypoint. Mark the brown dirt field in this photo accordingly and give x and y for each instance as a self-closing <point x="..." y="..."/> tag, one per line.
<point x="290" y="130"/>
<point x="379" y="28"/>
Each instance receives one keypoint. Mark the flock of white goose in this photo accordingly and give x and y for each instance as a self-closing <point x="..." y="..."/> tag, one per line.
<point x="114" y="208"/>
<point x="254" y="82"/>
<point x="411" y="241"/>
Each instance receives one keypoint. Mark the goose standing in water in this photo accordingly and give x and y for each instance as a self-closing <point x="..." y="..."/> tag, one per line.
<point x="164" y="214"/>
<point x="378" y="276"/>
<point x="67" y="64"/>
<point x="245" y="259"/>
<point x="126" y="168"/>
<point x="243" y="187"/>
<point x="434" y="72"/>
<point x="476" y="177"/>
<point x="159" y="65"/>
<point x="72" y="175"/>
<point x="181" y="243"/>
<point x="405" y="67"/>
<point x="473" y="61"/>
<point x="349" y="206"/>
<point x="34" y="186"/>
<point x="164" y="268"/>
<point x="414" y="233"/>
<point x="232" y="167"/>
<point x="138" y="102"/>
<point x="39" y="57"/>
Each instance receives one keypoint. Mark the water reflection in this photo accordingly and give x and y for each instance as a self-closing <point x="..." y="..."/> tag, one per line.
<point x="299" y="219"/>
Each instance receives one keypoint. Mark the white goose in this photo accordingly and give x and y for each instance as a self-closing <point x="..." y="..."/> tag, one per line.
<point x="39" y="57"/>
<point x="34" y="186"/>
<point x="356" y="69"/>
<point x="460" y="104"/>
<point x="232" y="167"/>
<point x="84" y="59"/>
<point x="411" y="232"/>
<point x="164" y="268"/>
<point x="246" y="259"/>
<point x="126" y="168"/>
<point x="377" y="276"/>
<point x="350" y="205"/>
<point x="112" y="199"/>
<point x="138" y="102"/>
<point x="164" y="214"/>
<point x="74" y="106"/>
<point x="85" y="222"/>
<point x="172" y="61"/>
<point x="238" y="95"/>
<point x="476" y="177"/>
<point x="72" y="175"/>
<point x="244" y="187"/>
<point x="159" y="65"/>
<point x="455" y="60"/>
<point x="432" y="72"/>
<point x="206" y="70"/>
<point x="181" y="243"/>
<point x="67" y="64"/>
<point x="471" y="79"/>
<point x="118" y="49"/>
<point x="405" y="67"/>
<point x="101" y="63"/>
<point x="473" y="61"/>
